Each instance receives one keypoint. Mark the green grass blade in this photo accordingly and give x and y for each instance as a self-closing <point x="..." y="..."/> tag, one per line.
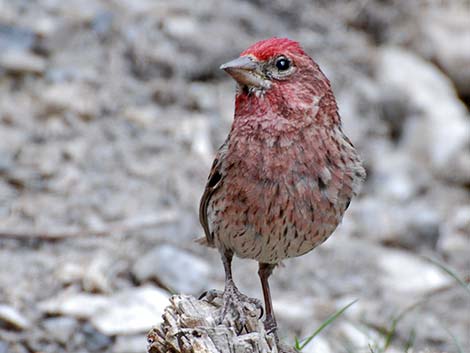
<point x="371" y="349"/>
<point x="450" y="272"/>
<point x="299" y="346"/>
<point x="410" y="341"/>
<point x="392" y="330"/>
<point x="391" y="333"/>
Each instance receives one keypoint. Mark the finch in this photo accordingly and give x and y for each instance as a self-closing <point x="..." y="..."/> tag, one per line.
<point x="286" y="173"/>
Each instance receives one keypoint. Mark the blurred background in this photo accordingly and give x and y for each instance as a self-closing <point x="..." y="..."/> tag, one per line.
<point x="111" y="112"/>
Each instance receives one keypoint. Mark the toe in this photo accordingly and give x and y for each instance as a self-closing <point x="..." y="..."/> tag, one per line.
<point x="211" y="295"/>
<point x="203" y="295"/>
<point x="270" y="326"/>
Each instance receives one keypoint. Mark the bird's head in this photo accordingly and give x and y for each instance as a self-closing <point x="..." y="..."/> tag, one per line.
<point x="277" y="75"/>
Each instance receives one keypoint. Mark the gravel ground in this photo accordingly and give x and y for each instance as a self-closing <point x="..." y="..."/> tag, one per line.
<point x="111" y="112"/>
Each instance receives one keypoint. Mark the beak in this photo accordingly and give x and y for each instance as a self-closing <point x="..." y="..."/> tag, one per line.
<point x="245" y="71"/>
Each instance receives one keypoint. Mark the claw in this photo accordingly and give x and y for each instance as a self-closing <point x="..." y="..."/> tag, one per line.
<point x="242" y="327"/>
<point x="233" y="301"/>
<point x="210" y="295"/>
<point x="261" y="311"/>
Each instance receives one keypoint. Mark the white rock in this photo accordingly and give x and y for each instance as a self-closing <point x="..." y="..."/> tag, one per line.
<point x="11" y="317"/>
<point x="45" y="26"/>
<point x="70" y="272"/>
<point x="412" y="225"/>
<point x="143" y="116"/>
<point x="354" y="336"/>
<point x="79" y="305"/>
<point x="442" y="34"/>
<point x="406" y="273"/>
<point x="442" y="133"/>
<point x="292" y="310"/>
<point x="95" y="279"/>
<point x="61" y="328"/>
<point x="131" y="311"/>
<point x="142" y="7"/>
<point x="8" y="13"/>
<point x="21" y="61"/>
<point x="70" y="97"/>
<point x="129" y="344"/>
<point x="180" y="26"/>
<point x="398" y="177"/>
<point x="456" y="233"/>
<point x="175" y="268"/>
<point x="78" y="11"/>
<point x="318" y="345"/>
<point x="196" y="131"/>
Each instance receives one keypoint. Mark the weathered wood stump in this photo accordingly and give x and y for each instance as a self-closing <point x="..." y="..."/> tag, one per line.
<point x="190" y="326"/>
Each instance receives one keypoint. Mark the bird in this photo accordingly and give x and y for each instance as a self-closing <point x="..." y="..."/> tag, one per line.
<point x="286" y="173"/>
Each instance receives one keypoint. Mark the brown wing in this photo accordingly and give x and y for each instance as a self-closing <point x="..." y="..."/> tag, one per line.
<point x="213" y="182"/>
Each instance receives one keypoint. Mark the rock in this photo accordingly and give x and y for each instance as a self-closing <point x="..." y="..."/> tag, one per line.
<point x="78" y="11"/>
<point x="406" y="273"/>
<point x="441" y="134"/>
<point x="293" y="311"/>
<point x="6" y="163"/>
<point x="81" y="305"/>
<point x="180" y="26"/>
<point x="95" y="341"/>
<point x="138" y="7"/>
<point x="126" y="312"/>
<point x="76" y="150"/>
<point x="195" y="131"/>
<point x="456" y="234"/>
<point x="11" y="318"/>
<point x="398" y="177"/>
<point x="4" y="347"/>
<point x="73" y="97"/>
<point x="131" y="311"/>
<point x="441" y="35"/>
<point x="318" y="345"/>
<point x="103" y="23"/>
<point x="355" y="337"/>
<point x="14" y="37"/>
<point x="60" y="329"/>
<point x="129" y="344"/>
<point x="201" y="96"/>
<point x="143" y="116"/>
<point x="95" y="279"/>
<point x="424" y="225"/>
<point x="69" y="273"/>
<point x="175" y="268"/>
<point x="44" y="27"/>
<point x="166" y="95"/>
<point x="22" y="62"/>
<point x="414" y="225"/>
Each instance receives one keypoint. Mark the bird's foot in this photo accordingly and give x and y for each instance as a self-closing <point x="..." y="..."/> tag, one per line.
<point x="233" y="301"/>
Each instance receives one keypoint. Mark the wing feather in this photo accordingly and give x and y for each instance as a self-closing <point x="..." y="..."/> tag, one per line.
<point x="214" y="181"/>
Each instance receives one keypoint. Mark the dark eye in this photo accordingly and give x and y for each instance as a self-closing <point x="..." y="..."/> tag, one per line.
<point x="282" y="64"/>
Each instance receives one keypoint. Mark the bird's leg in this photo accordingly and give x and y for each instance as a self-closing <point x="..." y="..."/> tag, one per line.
<point x="264" y="272"/>
<point x="231" y="296"/>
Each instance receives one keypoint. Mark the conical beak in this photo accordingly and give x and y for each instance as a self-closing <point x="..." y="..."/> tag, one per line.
<point x="245" y="71"/>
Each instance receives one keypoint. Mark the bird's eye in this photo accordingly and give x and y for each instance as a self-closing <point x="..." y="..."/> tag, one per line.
<point x="282" y="64"/>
